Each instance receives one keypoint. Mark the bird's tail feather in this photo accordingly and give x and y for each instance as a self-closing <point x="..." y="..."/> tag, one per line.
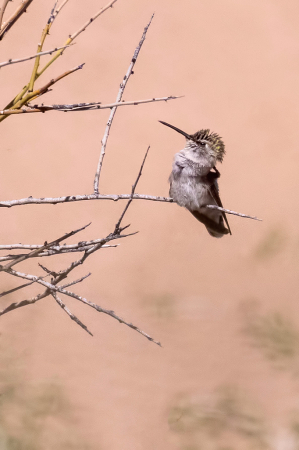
<point x="215" y="229"/>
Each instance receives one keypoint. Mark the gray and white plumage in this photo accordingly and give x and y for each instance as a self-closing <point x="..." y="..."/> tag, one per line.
<point x="193" y="180"/>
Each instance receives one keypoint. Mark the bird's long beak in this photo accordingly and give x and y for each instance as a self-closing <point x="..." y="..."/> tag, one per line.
<point x="187" y="136"/>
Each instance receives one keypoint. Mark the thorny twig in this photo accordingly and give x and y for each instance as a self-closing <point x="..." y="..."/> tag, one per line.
<point x="113" y="110"/>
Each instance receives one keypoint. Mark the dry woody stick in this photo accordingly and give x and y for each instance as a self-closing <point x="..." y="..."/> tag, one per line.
<point x="113" y="110"/>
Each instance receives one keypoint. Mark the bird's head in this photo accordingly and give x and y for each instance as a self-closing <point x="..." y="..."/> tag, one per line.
<point x="202" y="142"/>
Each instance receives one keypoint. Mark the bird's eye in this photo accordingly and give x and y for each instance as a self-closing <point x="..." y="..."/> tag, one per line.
<point x="203" y="144"/>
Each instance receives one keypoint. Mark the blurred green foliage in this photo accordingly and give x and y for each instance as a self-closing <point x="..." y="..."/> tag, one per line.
<point x="34" y="417"/>
<point x="273" y="243"/>
<point x="224" y="421"/>
<point x="160" y="305"/>
<point x="276" y="336"/>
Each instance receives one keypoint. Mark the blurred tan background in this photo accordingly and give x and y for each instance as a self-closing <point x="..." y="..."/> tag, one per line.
<point x="226" y="311"/>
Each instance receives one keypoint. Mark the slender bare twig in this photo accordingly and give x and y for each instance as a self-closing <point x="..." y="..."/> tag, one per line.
<point x="80" y="106"/>
<point x="108" y="312"/>
<point x="113" y="111"/>
<point x="22" y="286"/>
<point x="69" y="313"/>
<point x="2" y="9"/>
<point x="228" y="211"/>
<point x="16" y="15"/>
<point x="76" y="281"/>
<point x="10" y="291"/>
<point x="22" y="303"/>
<point x="117" y="226"/>
<point x="15" y="61"/>
<point x="99" y="105"/>
<point x="79" y="198"/>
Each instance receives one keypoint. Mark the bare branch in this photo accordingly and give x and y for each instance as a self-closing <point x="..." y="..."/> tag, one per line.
<point x="22" y="286"/>
<point x="108" y="312"/>
<point x="10" y="291"/>
<point x="22" y="303"/>
<point x="49" y="272"/>
<point x="76" y="281"/>
<point x="15" y="61"/>
<point x="113" y="111"/>
<point x="98" y="105"/>
<point x="228" y="211"/>
<point x="41" y="91"/>
<point x="51" y="288"/>
<point x="57" y="10"/>
<point x="79" y="198"/>
<point x="92" y="19"/>
<point x="16" y="15"/>
<point x="80" y="106"/>
<point x="117" y="226"/>
<point x="114" y="197"/>
<point x="69" y="313"/>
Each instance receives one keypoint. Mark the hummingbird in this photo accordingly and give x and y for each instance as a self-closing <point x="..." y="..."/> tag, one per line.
<point x="193" y="180"/>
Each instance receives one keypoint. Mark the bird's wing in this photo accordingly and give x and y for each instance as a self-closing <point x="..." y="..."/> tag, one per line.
<point x="215" y="194"/>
